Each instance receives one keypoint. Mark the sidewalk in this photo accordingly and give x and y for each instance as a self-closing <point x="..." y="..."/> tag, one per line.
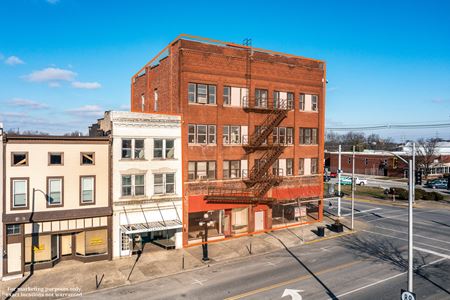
<point x="77" y="278"/>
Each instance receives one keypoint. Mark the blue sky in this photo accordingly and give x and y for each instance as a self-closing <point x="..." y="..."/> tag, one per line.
<point x="64" y="62"/>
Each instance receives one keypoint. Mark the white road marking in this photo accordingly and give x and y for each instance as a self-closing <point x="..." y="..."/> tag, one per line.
<point x="361" y="211"/>
<point x="269" y="263"/>
<point x="398" y="238"/>
<point x="200" y="282"/>
<point x="384" y="280"/>
<point x="418" y="235"/>
<point x="433" y="252"/>
<point x="402" y="215"/>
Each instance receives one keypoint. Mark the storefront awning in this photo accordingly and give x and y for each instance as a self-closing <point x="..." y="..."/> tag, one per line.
<point x="151" y="226"/>
<point x="149" y="219"/>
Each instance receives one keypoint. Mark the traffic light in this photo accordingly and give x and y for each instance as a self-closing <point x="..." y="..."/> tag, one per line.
<point x="418" y="177"/>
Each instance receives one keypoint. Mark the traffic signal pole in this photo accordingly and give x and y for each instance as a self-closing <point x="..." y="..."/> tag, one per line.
<point x="353" y="187"/>
<point x="339" y="183"/>
<point x="410" y="227"/>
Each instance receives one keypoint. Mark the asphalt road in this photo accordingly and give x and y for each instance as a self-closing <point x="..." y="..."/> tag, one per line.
<point x="370" y="264"/>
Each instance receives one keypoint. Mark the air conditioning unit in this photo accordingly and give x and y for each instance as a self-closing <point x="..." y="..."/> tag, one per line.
<point x="202" y="100"/>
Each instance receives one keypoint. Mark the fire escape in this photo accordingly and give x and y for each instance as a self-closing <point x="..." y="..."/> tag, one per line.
<point x="260" y="178"/>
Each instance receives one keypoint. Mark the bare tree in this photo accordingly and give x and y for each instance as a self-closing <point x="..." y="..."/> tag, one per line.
<point x="25" y="132"/>
<point x="426" y="152"/>
<point x="74" y="133"/>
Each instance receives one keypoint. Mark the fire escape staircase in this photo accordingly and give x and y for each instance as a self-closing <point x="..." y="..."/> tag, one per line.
<point x="259" y="180"/>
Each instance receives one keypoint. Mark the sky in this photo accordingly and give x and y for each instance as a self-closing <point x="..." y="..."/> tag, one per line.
<point x="64" y="62"/>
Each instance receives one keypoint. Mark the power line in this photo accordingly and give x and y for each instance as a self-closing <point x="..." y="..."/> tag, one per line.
<point x="391" y="126"/>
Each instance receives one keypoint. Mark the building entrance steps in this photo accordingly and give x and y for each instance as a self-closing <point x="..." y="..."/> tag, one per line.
<point x="156" y="262"/>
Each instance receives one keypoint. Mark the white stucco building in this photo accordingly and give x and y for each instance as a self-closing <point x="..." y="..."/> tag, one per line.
<point x="146" y="179"/>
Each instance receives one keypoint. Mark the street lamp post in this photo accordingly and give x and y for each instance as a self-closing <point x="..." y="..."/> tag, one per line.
<point x="205" y="223"/>
<point x="411" y="183"/>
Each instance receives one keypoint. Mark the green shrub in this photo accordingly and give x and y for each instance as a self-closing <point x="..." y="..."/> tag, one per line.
<point x="419" y="194"/>
<point x="402" y="194"/>
<point x="434" y="196"/>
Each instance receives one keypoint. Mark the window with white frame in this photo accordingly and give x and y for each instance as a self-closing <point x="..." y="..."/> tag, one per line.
<point x="201" y="170"/>
<point x="227" y="95"/>
<point x="87" y="189"/>
<point x="20" y="193"/>
<point x="163" y="149"/>
<point x="133" y="185"/>
<point x="308" y="136"/>
<point x="231" y="169"/>
<point x="164" y="183"/>
<point x="309" y="102"/>
<point x="283" y="135"/>
<point x="314" y="165"/>
<point x="201" y="134"/>
<point x="289" y="166"/>
<point x="290" y="101"/>
<point x="133" y="149"/>
<point x="55" y="191"/>
<point x="283" y="100"/>
<point x="261" y="98"/>
<point x="201" y="93"/>
<point x="234" y="134"/>
<point x="301" y="166"/>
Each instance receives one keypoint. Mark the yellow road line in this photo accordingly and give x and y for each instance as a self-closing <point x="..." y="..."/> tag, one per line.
<point x="277" y="285"/>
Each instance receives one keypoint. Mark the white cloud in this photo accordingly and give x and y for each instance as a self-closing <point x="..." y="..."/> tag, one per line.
<point x="51" y="74"/>
<point x="20" y="102"/>
<point x="87" y="111"/>
<point x="14" y="60"/>
<point x="86" y="85"/>
<point x="13" y="114"/>
<point x="52" y="1"/>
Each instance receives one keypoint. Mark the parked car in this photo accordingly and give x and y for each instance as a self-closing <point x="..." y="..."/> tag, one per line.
<point x="360" y="181"/>
<point x="346" y="180"/>
<point x="437" y="183"/>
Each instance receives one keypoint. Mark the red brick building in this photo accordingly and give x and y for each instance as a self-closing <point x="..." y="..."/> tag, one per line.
<point x="252" y="132"/>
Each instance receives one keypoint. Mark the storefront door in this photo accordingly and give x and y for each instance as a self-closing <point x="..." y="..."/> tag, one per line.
<point x="227" y="223"/>
<point x="259" y="220"/>
<point x="66" y="244"/>
<point x="14" y="257"/>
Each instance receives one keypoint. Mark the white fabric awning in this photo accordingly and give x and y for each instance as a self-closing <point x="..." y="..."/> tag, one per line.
<point x="151" y="226"/>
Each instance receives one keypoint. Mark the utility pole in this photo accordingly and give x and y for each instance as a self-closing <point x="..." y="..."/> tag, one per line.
<point x="339" y="183"/>
<point x="353" y="187"/>
<point x="410" y="219"/>
<point x="414" y="170"/>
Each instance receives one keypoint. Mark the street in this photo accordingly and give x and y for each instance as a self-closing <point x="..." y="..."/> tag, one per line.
<point x="370" y="264"/>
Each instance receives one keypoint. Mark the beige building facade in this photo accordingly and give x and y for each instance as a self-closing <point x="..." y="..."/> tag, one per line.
<point x="56" y="201"/>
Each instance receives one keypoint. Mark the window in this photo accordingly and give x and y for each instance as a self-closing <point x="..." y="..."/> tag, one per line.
<point x="54" y="191"/>
<point x="12" y="229"/>
<point x="87" y="187"/>
<point x="301" y="166"/>
<point x="133" y="185"/>
<point x="138" y="149"/>
<point x="232" y="134"/>
<point x="308" y="136"/>
<point x="226" y="95"/>
<point x="302" y="102"/>
<point x="87" y="158"/>
<point x="276" y="170"/>
<point x="19" y="159"/>
<point x="226" y="135"/>
<point x="289" y="166"/>
<point x="55" y="159"/>
<point x="155" y="103"/>
<point x="201" y="93"/>
<point x="163" y="149"/>
<point x="133" y="149"/>
<point x="211" y="134"/>
<point x="126" y="148"/>
<point x="142" y="102"/>
<point x="235" y="132"/>
<point x="201" y="134"/>
<point x="164" y="183"/>
<point x="19" y="193"/>
<point x="231" y="169"/>
<point x="261" y="98"/>
<point x="290" y="101"/>
<point x="283" y="135"/>
<point x="201" y="170"/>
<point x="314" y="165"/>
<point x="314" y="100"/>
